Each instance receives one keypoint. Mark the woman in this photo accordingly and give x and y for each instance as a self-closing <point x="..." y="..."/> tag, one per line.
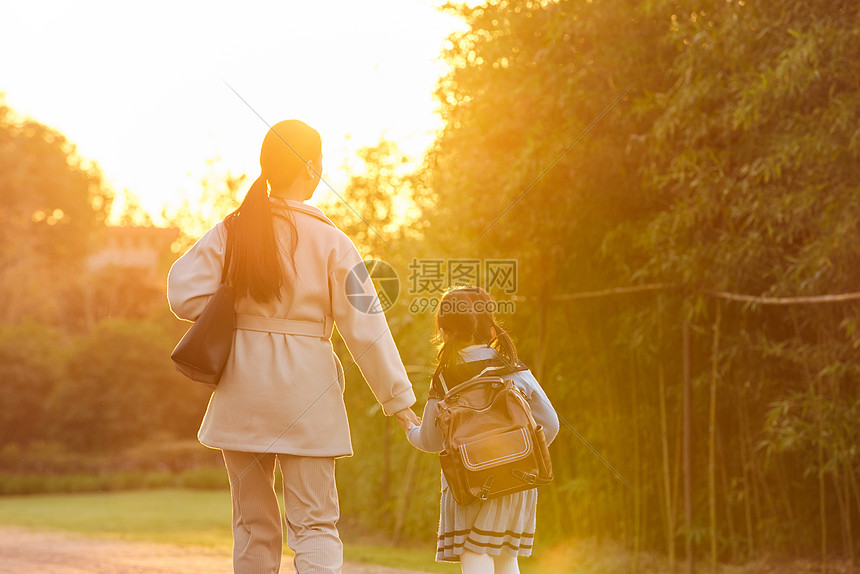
<point x="280" y="397"/>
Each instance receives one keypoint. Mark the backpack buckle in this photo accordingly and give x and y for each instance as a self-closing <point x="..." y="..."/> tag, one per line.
<point x="526" y="477"/>
<point x="484" y="491"/>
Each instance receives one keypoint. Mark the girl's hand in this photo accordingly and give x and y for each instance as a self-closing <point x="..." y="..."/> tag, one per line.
<point x="407" y="419"/>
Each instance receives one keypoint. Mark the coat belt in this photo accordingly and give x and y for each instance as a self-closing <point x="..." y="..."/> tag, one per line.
<point x="320" y="329"/>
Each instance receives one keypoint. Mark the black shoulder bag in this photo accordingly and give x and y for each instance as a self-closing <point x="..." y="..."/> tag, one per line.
<point x="203" y="351"/>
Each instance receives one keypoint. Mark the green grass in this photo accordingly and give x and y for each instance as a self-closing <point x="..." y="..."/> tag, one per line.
<point x="199" y="518"/>
<point x="172" y="516"/>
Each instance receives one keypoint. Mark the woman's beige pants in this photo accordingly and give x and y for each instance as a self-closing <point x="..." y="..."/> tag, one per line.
<point x="310" y="509"/>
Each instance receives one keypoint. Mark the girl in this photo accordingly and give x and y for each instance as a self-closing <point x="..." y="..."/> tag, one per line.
<point x="485" y="537"/>
<point x="280" y="398"/>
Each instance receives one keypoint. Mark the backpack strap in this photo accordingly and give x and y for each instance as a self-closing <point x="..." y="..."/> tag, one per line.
<point x="441" y="379"/>
<point x="445" y="379"/>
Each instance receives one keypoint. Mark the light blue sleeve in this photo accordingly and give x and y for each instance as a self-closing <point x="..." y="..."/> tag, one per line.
<point x="542" y="409"/>
<point x="427" y="436"/>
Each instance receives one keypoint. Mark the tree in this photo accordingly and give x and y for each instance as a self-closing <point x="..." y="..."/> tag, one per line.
<point x="754" y="163"/>
<point x="30" y="364"/>
<point x="51" y="202"/>
<point x="121" y="388"/>
<point x="377" y="210"/>
<point x="731" y="164"/>
<point x="520" y="171"/>
<point x="219" y="195"/>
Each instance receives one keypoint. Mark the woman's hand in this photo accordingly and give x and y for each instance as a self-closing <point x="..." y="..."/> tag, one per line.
<point x="407" y="419"/>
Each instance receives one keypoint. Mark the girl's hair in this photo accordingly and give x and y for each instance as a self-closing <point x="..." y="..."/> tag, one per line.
<point x="256" y="269"/>
<point x="466" y="316"/>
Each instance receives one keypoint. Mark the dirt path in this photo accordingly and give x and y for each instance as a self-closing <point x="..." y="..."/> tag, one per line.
<point x="30" y="552"/>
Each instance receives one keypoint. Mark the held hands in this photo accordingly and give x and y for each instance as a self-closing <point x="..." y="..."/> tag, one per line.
<point x="407" y="419"/>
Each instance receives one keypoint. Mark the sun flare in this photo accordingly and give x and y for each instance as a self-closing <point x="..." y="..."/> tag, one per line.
<point x="151" y="94"/>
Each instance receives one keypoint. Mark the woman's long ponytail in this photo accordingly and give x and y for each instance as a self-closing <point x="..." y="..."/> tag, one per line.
<point x="256" y="268"/>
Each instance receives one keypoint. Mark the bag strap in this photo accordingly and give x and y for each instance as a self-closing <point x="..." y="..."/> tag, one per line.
<point x="492" y="380"/>
<point x="228" y="254"/>
<point x="441" y="380"/>
<point x="463" y="372"/>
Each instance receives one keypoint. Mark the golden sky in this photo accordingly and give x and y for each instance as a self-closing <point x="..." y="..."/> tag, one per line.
<point x="141" y="87"/>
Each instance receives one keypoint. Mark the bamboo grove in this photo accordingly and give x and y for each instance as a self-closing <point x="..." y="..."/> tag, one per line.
<point x="678" y="183"/>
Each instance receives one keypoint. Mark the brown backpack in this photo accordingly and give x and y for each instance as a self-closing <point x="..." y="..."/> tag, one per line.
<point x="493" y="446"/>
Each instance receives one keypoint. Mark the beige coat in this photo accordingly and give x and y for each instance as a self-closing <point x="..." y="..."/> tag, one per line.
<point x="283" y="393"/>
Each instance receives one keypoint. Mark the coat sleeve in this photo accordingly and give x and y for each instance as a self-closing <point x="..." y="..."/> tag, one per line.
<point x="195" y="276"/>
<point x="365" y="331"/>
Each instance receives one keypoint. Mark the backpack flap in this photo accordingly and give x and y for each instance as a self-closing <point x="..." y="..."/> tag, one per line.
<point x="501" y="464"/>
<point x="496" y="450"/>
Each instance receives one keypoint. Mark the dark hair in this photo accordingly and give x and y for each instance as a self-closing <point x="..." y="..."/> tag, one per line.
<point x="256" y="264"/>
<point x="466" y="316"/>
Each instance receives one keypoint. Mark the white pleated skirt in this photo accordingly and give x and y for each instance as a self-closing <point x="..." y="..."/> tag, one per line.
<point x="505" y="524"/>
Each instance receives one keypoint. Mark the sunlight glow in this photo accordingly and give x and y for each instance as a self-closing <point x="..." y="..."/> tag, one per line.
<point x="142" y="89"/>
